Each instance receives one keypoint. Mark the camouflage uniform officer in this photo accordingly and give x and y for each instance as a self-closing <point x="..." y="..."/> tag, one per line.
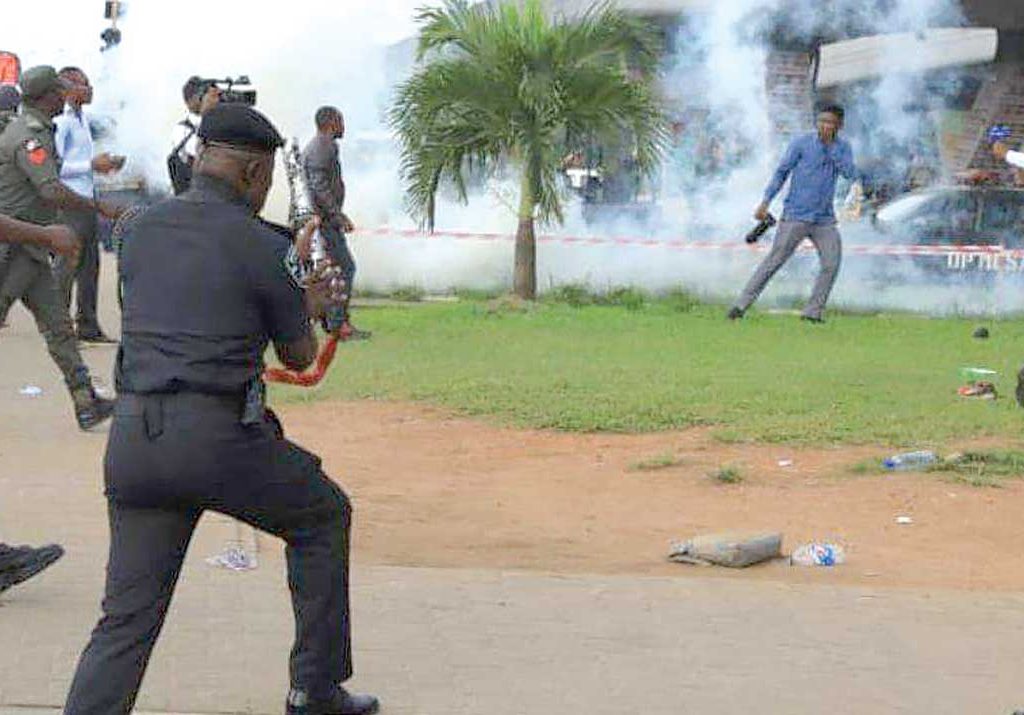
<point x="31" y="191"/>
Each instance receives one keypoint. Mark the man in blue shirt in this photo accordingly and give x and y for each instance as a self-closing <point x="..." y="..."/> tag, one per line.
<point x="812" y="164"/>
<point x="74" y="146"/>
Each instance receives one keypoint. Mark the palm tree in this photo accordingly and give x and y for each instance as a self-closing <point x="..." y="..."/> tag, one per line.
<point x="503" y="84"/>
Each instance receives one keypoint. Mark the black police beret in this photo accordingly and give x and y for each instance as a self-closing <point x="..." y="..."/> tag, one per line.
<point x="239" y="125"/>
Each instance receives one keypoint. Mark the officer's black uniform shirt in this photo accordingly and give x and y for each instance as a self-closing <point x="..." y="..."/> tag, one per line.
<point x="205" y="290"/>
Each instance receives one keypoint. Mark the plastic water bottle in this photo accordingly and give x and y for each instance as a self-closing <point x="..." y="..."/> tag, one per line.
<point x="818" y="555"/>
<point x="911" y="460"/>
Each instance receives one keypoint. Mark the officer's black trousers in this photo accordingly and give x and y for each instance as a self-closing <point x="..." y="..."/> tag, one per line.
<point x="82" y="277"/>
<point x="171" y="457"/>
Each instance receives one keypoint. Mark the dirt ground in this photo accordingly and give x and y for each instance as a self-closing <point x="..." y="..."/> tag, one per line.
<point x="433" y="490"/>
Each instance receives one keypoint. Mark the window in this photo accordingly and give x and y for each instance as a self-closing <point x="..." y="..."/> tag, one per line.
<point x="957" y="213"/>
<point x="1004" y="211"/>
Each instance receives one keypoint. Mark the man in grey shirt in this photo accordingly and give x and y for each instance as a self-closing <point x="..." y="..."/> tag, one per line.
<point x="322" y="164"/>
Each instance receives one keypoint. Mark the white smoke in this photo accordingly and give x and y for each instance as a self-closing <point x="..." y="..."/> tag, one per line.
<point x="720" y="67"/>
<point x="300" y="55"/>
<point x="307" y="53"/>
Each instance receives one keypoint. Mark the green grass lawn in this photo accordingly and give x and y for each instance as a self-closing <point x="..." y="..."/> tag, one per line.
<point x="888" y="379"/>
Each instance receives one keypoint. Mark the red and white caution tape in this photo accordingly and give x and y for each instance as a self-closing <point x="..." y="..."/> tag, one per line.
<point x="685" y="245"/>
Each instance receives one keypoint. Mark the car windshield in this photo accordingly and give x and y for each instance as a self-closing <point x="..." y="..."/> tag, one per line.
<point x="1004" y="211"/>
<point x="904" y="208"/>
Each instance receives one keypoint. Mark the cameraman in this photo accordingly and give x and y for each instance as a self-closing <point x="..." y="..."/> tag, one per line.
<point x="200" y="96"/>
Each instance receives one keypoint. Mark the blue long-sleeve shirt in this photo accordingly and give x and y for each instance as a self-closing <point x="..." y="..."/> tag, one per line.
<point x="812" y="168"/>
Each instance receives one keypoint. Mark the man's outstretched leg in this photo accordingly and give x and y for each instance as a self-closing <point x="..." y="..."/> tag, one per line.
<point x="787" y="238"/>
<point x="42" y="298"/>
<point x="830" y="252"/>
<point x="289" y="496"/>
<point x="147" y="547"/>
<point x="16" y="274"/>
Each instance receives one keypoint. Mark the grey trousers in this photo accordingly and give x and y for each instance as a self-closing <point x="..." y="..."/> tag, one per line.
<point x="83" y="274"/>
<point x="789" y="236"/>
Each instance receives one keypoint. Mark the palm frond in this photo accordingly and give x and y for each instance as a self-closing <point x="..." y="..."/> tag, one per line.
<point x="504" y="82"/>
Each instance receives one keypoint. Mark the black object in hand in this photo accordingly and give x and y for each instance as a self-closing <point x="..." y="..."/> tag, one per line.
<point x="760" y="229"/>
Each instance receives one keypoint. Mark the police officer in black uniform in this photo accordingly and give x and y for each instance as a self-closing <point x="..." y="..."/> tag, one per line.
<point x="205" y="291"/>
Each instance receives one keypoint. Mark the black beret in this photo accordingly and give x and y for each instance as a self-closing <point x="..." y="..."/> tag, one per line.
<point x="239" y="125"/>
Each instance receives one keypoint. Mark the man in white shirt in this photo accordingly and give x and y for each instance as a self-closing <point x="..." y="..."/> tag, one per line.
<point x="199" y="95"/>
<point x="73" y="139"/>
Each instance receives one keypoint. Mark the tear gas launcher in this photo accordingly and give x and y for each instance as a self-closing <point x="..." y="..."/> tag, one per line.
<point x="303" y="269"/>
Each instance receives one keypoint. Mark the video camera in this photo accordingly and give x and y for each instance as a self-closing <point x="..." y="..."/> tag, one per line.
<point x="237" y="90"/>
<point x="760" y="229"/>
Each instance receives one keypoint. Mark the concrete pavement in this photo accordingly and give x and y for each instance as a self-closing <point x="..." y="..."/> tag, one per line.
<point x="432" y="641"/>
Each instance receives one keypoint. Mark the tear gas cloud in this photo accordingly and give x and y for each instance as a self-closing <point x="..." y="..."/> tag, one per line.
<point x="312" y="52"/>
<point x="720" y="64"/>
<point x="300" y="55"/>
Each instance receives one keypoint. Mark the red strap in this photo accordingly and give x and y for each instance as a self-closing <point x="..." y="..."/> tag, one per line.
<point x="310" y="378"/>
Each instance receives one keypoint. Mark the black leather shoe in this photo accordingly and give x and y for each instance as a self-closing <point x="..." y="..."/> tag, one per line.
<point x="812" y="319"/>
<point x="342" y="703"/>
<point x="94" y="413"/>
<point x="20" y="563"/>
<point x="734" y="314"/>
<point x="96" y="337"/>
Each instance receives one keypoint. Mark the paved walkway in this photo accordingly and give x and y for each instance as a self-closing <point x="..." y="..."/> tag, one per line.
<point x="433" y="641"/>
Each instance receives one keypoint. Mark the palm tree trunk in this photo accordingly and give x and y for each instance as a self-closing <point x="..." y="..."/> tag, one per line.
<point x="524" y="280"/>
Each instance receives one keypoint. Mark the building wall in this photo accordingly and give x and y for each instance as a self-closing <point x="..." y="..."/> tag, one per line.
<point x="1001" y="14"/>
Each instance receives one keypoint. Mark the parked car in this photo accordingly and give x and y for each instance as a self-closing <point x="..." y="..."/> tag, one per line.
<point x="947" y="218"/>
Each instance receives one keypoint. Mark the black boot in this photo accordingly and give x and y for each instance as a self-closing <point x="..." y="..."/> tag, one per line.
<point x="91" y="409"/>
<point x="96" y="337"/>
<point x="341" y="703"/>
<point x="20" y="563"/>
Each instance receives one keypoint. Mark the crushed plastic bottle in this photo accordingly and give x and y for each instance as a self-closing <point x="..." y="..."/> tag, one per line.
<point x="911" y="460"/>
<point x="818" y="555"/>
<point x="234" y="557"/>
